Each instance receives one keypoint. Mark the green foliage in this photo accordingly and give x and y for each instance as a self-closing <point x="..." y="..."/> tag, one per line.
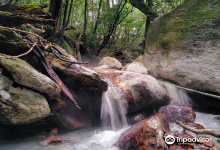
<point x="127" y="35"/>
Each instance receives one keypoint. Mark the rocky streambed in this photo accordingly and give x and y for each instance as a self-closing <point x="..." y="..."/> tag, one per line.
<point x="143" y="102"/>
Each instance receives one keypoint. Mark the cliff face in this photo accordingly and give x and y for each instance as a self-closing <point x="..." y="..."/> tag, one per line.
<point x="183" y="46"/>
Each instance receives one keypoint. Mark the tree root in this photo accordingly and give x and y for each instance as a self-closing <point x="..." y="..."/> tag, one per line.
<point x="35" y="43"/>
<point x="199" y="131"/>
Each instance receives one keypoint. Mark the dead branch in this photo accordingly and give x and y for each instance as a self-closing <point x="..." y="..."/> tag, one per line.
<point x="36" y="30"/>
<point x="199" y="131"/>
<point x="35" y="43"/>
<point x="199" y="92"/>
<point x="38" y="52"/>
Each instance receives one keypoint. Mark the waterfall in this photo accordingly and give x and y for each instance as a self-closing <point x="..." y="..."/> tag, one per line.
<point x="177" y="96"/>
<point x="114" y="108"/>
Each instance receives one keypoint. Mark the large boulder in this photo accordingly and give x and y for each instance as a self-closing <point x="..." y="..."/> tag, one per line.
<point x="140" y="90"/>
<point x="183" y="113"/>
<point x="135" y="67"/>
<point x="147" y="134"/>
<point x="183" y="46"/>
<point x="19" y="105"/>
<point x="111" y="62"/>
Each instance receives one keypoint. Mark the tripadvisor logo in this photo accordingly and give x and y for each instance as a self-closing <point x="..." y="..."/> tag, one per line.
<point x="170" y="139"/>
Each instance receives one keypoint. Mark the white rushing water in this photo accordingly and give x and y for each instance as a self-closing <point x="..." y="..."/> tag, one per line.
<point x="114" y="108"/>
<point x="177" y="96"/>
<point x="93" y="138"/>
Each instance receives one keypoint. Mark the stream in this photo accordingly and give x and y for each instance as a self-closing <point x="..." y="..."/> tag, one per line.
<point x="93" y="138"/>
<point x="114" y="122"/>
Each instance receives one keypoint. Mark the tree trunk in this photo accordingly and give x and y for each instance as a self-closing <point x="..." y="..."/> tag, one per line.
<point x="57" y="36"/>
<point x="85" y="23"/>
<point x="65" y="12"/>
<point x="97" y="19"/>
<point x="55" y="10"/>
<point x="147" y="24"/>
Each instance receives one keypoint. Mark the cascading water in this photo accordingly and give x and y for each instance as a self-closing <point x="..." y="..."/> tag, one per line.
<point x="114" y="108"/>
<point x="177" y="96"/>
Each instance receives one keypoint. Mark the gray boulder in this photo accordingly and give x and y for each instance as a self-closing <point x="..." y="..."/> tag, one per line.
<point x="135" y="67"/>
<point x="183" y="46"/>
<point x="19" y="105"/>
<point x="111" y="62"/>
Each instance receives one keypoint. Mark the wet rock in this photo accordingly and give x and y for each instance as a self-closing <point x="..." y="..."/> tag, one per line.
<point x="183" y="113"/>
<point x="147" y="134"/>
<point x="137" y="118"/>
<point x="76" y="74"/>
<point x="140" y="90"/>
<point x="205" y="141"/>
<point x="19" y="105"/>
<point x="135" y="67"/>
<point x="26" y="75"/>
<point x="201" y="147"/>
<point x="69" y="117"/>
<point x="53" y="140"/>
<point x="85" y="84"/>
<point x="111" y="62"/>
<point x="187" y="146"/>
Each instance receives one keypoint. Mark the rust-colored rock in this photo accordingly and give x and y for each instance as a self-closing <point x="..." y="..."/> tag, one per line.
<point x="187" y="146"/>
<point x="176" y="147"/>
<point x="205" y="142"/>
<point x="183" y="113"/>
<point x="52" y="140"/>
<point x="145" y="135"/>
<point x="137" y="118"/>
<point x="141" y="90"/>
<point x="201" y="147"/>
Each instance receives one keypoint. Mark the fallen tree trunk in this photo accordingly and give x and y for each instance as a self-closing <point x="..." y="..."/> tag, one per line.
<point x="199" y="131"/>
<point x="16" y="15"/>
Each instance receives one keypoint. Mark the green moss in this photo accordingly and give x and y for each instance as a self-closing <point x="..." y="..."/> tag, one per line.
<point x="66" y="46"/>
<point x="168" y="31"/>
<point x="12" y="62"/>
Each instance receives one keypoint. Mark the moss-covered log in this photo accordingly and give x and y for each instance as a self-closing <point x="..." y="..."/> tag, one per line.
<point x="16" y="15"/>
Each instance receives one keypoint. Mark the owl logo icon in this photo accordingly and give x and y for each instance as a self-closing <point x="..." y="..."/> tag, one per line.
<point x="170" y="139"/>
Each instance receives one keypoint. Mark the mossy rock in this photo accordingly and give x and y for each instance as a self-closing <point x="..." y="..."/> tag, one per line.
<point x="183" y="46"/>
<point x="66" y="46"/>
<point x="26" y="75"/>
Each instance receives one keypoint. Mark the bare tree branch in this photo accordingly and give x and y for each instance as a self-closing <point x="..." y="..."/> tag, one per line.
<point x="199" y="131"/>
